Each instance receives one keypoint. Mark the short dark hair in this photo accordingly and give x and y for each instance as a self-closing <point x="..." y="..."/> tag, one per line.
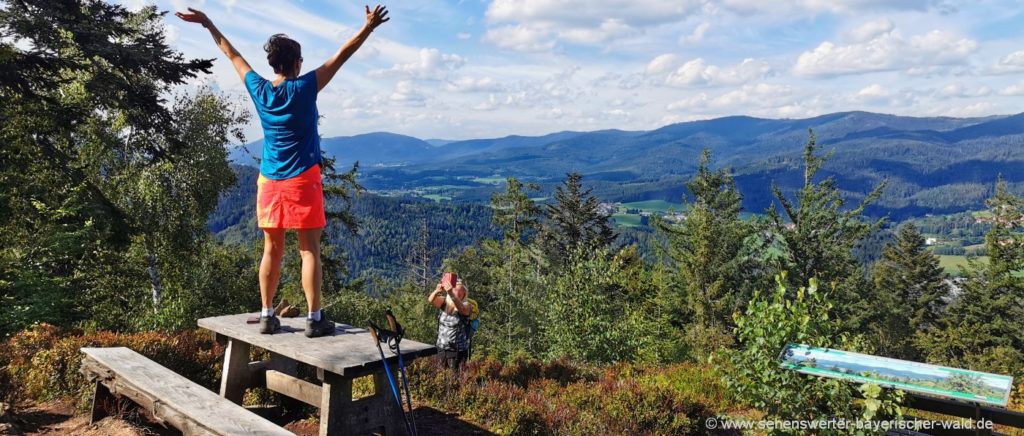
<point x="282" y="52"/>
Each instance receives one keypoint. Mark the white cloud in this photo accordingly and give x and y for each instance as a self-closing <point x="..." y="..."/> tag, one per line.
<point x="885" y="52"/>
<point x="697" y="35"/>
<point x="958" y="90"/>
<point x="698" y="72"/>
<point x="761" y="95"/>
<point x="978" y="109"/>
<point x="172" y="33"/>
<point x="832" y="6"/>
<point x="490" y="104"/>
<point x="537" y="25"/>
<point x="1009" y="64"/>
<point x="616" y="113"/>
<point x="463" y="35"/>
<point x="1013" y="90"/>
<point x="872" y="94"/>
<point x="520" y="38"/>
<point x="608" y="29"/>
<point x="181" y="5"/>
<point x="473" y="84"/>
<point x="405" y="93"/>
<point x="663" y="64"/>
<point x="586" y="13"/>
<point x="135" y="5"/>
<point x="871" y="30"/>
<point x="432" y="65"/>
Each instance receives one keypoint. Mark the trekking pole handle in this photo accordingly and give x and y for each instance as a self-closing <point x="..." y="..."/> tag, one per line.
<point x="392" y="322"/>
<point x="373" y="333"/>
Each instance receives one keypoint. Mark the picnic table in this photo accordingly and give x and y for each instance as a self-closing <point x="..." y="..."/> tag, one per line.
<point x="338" y="359"/>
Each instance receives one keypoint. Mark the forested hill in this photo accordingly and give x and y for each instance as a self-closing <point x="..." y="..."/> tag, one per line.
<point x="933" y="165"/>
<point x="389" y="228"/>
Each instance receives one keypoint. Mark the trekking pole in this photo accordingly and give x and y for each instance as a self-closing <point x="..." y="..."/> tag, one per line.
<point x="399" y="333"/>
<point x="391" y="381"/>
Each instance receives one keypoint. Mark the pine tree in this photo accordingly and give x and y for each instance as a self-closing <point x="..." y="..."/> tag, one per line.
<point x="514" y="212"/>
<point x="707" y="249"/>
<point x="910" y="287"/>
<point x="984" y="326"/>
<point x="517" y="293"/>
<point x="818" y="236"/>
<point x="574" y="221"/>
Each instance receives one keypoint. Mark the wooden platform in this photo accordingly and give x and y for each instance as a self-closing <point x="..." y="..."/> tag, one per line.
<point x="167" y="396"/>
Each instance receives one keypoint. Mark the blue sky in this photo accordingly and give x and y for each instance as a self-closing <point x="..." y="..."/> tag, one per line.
<point x="474" y="69"/>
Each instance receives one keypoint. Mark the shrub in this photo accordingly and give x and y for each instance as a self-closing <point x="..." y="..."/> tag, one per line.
<point x="753" y="372"/>
<point x="42" y="363"/>
<point x="559" y="397"/>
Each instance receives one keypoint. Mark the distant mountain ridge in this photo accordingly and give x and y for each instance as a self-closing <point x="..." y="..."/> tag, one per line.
<point x="383" y="149"/>
<point x="931" y="164"/>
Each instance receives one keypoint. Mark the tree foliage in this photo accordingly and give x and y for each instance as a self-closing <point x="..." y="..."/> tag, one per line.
<point x="909" y="290"/>
<point x="710" y="252"/>
<point x="574" y="220"/>
<point x="753" y="372"/>
<point x="107" y="186"/>
<point x="983" y="327"/>
<point x="818" y="235"/>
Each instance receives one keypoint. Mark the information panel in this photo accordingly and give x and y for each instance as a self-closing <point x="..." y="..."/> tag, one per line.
<point x="933" y="380"/>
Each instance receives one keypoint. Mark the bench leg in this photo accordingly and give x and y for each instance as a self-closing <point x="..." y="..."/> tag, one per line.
<point x="235" y="376"/>
<point x="102" y="400"/>
<point x="336" y="405"/>
<point x="389" y="414"/>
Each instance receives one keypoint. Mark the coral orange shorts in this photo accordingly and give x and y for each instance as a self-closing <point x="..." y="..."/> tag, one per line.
<point x="295" y="203"/>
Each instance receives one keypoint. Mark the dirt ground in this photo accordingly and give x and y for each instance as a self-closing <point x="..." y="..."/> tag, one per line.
<point x="57" y="418"/>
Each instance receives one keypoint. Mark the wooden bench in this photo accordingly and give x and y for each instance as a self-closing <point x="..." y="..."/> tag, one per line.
<point x="169" y="397"/>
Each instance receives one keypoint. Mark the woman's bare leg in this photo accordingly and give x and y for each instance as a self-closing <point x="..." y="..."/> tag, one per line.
<point x="312" y="270"/>
<point x="270" y="266"/>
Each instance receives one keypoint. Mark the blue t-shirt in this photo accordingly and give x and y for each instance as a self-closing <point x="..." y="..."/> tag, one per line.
<point x="291" y="143"/>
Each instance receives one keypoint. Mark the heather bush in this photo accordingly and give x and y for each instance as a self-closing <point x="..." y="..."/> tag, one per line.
<point x="559" y="397"/>
<point x="42" y="362"/>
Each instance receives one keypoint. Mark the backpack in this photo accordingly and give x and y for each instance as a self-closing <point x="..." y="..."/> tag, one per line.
<point x="472" y="323"/>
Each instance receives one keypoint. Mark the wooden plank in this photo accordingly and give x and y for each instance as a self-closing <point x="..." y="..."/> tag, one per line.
<point x="235" y="375"/>
<point x="349" y="352"/>
<point x="169" y="397"/>
<point x="298" y="389"/>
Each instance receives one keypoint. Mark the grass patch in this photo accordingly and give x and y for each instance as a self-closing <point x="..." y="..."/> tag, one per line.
<point x="955" y="264"/>
<point x="437" y="197"/>
<point x="982" y="214"/>
<point x="654" y="206"/>
<point x="492" y="180"/>
<point x="440" y="187"/>
<point x="626" y="220"/>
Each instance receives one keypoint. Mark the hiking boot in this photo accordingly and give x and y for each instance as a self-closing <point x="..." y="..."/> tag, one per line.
<point x="324" y="327"/>
<point x="269" y="325"/>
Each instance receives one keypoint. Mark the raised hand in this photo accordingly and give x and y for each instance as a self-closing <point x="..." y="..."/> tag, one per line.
<point x="194" y="16"/>
<point x="376" y="17"/>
